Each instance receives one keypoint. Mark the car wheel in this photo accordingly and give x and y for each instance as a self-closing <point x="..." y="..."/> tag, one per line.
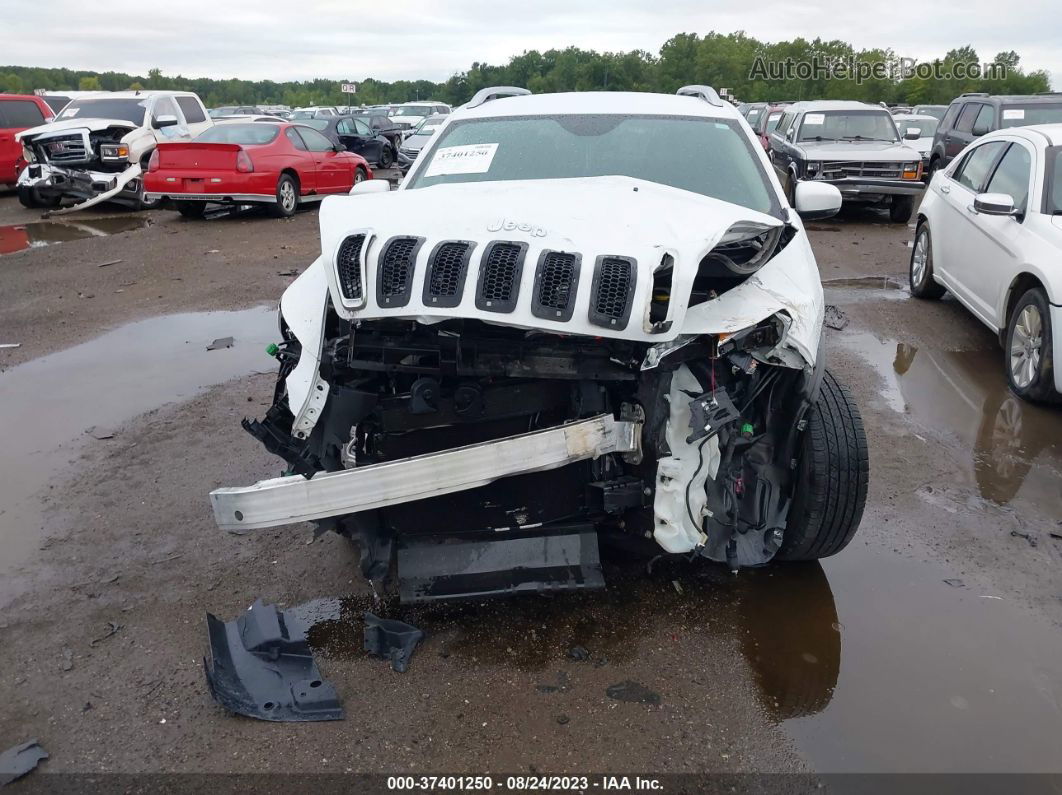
<point x="1027" y="348"/>
<point x="832" y="477"/>
<point x="934" y="166"/>
<point x="790" y="190"/>
<point x="901" y="209"/>
<point x="359" y="175"/>
<point x="31" y="198"/>
<point x="287" y="197"/>
<point x="387" y="157"/>
<point x="191" y="209"/>
<point x="921" y="272"/>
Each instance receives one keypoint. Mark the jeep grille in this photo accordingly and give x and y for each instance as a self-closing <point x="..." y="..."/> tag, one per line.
<point x="556" y="282"/>
<point x="499" y="276"/>
<point x="348" y="267"/>
<point x="446" y="273"/>
<point x="395" y="273"/>
<point x="612" y="292"/>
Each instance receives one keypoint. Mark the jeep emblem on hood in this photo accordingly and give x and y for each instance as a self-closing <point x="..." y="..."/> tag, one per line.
<point x="510" y="226"/>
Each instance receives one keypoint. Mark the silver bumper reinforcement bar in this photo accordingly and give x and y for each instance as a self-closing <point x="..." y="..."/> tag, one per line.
<point x="286" y="500"/>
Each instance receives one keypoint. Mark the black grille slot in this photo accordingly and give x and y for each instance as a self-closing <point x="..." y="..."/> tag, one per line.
<point x="447" y="267"/>
<point x="556" y="282"/>
<point x="348" y="267"/>
<point x="394" y="270"/>
<point x="613" y="291"/>
<point x="499" y="276"/>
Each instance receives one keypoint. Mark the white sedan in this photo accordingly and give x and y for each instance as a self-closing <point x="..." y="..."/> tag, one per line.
<point x="990" y="231"/>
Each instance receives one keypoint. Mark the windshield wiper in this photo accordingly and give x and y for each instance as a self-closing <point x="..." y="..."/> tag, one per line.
<point x="819" y="138"/>
<point x="864" y="138"/>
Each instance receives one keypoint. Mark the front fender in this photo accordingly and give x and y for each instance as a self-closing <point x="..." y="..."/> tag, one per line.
<point x="303" y="307"/>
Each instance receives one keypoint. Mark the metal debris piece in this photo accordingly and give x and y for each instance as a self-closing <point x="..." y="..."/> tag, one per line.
<point x="221" y="342"/>
<point x="18" y="761"/>
<point x="1027" y="536"/>
<point x="112" y="629"/>
<point x="10" y="344"/>
<point x="955" y="583"/>
<point x="834" y="318"/>
<point x="263" y="667"/>
<point x="392" y="640"/>
<point x="99" y="433"/>
<point x="110" y="262"/>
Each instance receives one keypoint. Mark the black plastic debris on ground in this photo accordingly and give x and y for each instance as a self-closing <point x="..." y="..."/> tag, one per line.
<point x="392" y="640"/>
<point x="263" y="667"/>
<point x="20" y="760"/>
<point x="834" y="318"/>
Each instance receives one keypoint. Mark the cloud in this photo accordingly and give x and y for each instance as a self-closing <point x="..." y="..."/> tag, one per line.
<point x="405" y="39"/>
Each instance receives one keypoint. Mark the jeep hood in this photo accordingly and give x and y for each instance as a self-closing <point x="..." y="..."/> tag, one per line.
<point x="858" y="150"/>
<point x="594" y="217"/>
<point x="77" y="123"/>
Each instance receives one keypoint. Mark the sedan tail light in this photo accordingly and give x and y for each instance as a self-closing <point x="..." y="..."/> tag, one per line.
<point x="153" y="162"/>
<point x="243" y="162"/>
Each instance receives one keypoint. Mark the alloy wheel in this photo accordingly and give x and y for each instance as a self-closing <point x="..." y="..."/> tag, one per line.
<point x="1025" y="346"/>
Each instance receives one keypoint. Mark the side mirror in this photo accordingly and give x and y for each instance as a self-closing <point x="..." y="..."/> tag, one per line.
<point x="165" y="121"/>
<point x="338" y="148"/>
<point x="371" y="186"/>
<point x="816" y="200"/>
<point x="994" y="204"/>
<point x="789" y="134"/>
<point x="912" y="134"/>
<point x="979" y="131"/>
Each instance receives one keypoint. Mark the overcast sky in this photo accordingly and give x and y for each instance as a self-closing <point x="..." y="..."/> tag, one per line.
<point x="403" y="39"/>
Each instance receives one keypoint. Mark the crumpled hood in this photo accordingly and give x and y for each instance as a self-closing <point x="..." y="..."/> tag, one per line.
<point x="76" y="123"/>
<point x="592" y="217"/>
<point x="858" y="150"/>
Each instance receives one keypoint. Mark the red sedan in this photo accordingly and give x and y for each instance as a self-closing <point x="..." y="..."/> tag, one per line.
<point x="18" y="112"/>
<point x="275" y="163"/>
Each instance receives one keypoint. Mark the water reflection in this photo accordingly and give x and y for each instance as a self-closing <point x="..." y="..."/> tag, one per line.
<point x="17" y="237"/>
<point x="965" y="394"/>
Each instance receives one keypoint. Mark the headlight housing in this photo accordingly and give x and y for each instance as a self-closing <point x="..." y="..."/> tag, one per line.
<point x="27" y="154"/>
<point x="113" y="152"/>
<point x="912" y="170"/>
<point x="814" y="169"/>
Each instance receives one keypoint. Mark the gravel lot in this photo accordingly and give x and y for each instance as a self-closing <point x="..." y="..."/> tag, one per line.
<point x="930" y="644"/>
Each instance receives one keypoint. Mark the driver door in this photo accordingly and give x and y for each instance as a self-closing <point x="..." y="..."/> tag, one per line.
<point x="333" y="170"/>
<point x="350" y="136"/>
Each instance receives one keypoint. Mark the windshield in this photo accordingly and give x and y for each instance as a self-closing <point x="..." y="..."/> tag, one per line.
<point x="925" y="127"/>
<point x="1024" y="115"/>
<point x="754" y="114"/>
<point x="848" y="125"/>
<point x="772" y="121"/>
<point x="414" y="110"/>
<point x="127" y="109"/>
<point x="250" y="134"/>
<point x="710" y="157"/>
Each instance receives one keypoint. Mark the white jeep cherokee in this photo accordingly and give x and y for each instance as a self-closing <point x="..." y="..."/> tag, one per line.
<point x="546" y="334"/>
<point x="99" y="144"/>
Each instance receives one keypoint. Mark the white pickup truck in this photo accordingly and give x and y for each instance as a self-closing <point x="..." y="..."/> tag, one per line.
<point x="99" y="144"/>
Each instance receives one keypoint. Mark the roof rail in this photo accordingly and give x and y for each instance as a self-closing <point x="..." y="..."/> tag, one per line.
<point x="707" y="93"/>
<point x="495" y="92"/>
<point x="975" y="94"/>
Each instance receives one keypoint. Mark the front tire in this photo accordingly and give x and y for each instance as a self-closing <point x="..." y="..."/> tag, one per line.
<point x="387" y="157"/>
<point x="832" y="478"/>
<point x="1027" y="351"/>
<point x="901" y="209"/>
<point x="31" y="199"/>
<point x="287" y="197"/>
<point x="920" y="273"/>
<point x="359" y="175"/>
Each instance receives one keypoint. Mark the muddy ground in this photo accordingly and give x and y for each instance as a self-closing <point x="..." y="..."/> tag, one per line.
<point x="930" y="644"/>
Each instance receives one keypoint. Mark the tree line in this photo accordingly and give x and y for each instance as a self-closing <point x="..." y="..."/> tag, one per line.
<point x="732" y="60"/>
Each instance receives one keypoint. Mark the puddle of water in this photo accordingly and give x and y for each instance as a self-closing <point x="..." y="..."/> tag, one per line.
<point x="36" y="234"/>
<point x="47" y="404"/>
<point x="1015" y="446"/>
<point x="866" y="283"/>
<point x="870" y="662"/>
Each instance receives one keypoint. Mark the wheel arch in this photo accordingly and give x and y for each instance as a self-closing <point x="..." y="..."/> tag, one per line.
<point x="1021" y="284"/>
<point x="294" y="174"/>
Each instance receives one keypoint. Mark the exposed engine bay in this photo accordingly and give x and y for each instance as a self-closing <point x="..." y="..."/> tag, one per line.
<point x="427" y="383"/>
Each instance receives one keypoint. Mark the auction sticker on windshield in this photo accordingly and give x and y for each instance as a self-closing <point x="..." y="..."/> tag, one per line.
<point x="815" y="118"/>
<point x="467" y="159"/>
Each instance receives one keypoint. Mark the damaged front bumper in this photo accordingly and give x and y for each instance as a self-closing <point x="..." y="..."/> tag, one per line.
<point x="285" y="500"/>
<point x="90" y="187"/>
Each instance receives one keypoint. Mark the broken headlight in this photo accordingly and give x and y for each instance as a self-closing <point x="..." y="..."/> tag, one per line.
<point x="745" y="247"/>
<point x="27" y="154"/>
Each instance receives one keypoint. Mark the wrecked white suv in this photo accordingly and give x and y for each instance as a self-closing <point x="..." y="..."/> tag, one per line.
<point x="548" y="334"/>
<point x="99" y="144"/>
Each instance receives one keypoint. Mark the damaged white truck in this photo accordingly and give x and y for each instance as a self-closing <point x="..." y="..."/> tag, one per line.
<point x="99" y="145"/>
<point x="548" y="334"/>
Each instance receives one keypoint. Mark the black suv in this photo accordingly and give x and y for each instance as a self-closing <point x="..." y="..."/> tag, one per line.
<point x="970" y="116"/>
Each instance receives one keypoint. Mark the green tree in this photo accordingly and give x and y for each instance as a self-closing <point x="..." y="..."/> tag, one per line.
<point x="89" y="84"/>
